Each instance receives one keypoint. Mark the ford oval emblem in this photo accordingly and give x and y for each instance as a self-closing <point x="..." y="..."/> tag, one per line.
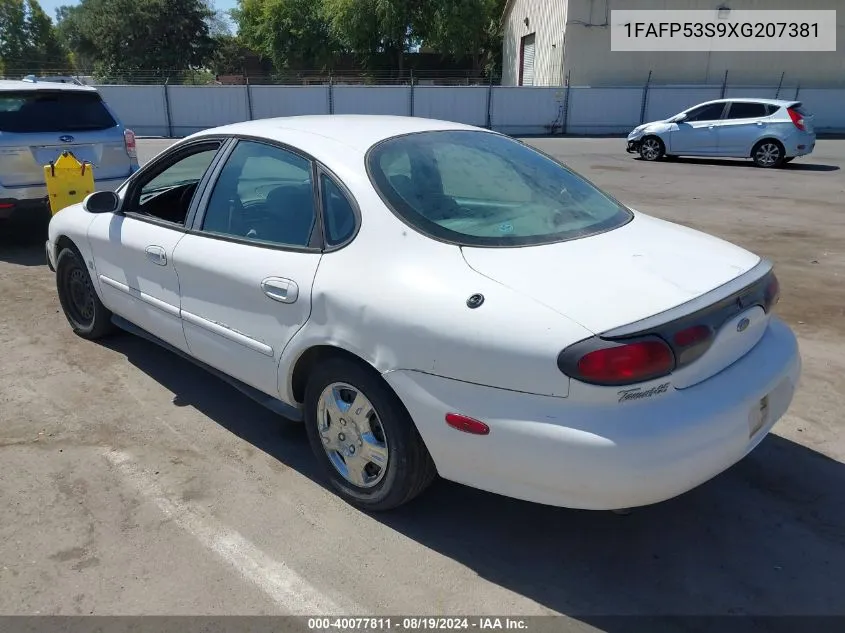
<point x="67" y="138"/>
<point x="743" y="325"/>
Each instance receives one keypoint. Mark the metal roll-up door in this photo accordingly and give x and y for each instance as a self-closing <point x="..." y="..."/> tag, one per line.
<point x="527" y="70"/>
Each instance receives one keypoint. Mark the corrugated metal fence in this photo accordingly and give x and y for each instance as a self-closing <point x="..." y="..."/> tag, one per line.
<point x="177" y="111"/>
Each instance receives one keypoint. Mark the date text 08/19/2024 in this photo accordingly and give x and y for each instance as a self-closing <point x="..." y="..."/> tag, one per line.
<point x="415" y="623"/>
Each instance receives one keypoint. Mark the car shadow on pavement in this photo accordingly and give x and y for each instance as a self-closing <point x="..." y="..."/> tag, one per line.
<point x="22" y="243"/>
<point x="728" y="162"/>
<point x="767" y="537"/>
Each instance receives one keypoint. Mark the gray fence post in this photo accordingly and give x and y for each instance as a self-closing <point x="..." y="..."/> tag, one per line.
<point x="724" y="85"/>
<point x="167" y="109"/>
<point x="797" y="90"/>
<point x="249" y="99"/>
<point x="644" y="104"/>
<point x="331" y="94"/>
<point x="565" y="123"/>
<point x="411" y="96"/>
<point x="780" y="83"/>
<point x="489" y="123"/>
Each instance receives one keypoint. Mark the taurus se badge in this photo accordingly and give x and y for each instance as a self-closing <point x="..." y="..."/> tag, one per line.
<point x="743" y="325"/>
<point x="637" y="393"/>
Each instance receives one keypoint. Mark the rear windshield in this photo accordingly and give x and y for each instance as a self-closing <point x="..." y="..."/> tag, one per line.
<point x="482" y="189"/>
<point x="58" y="111"/>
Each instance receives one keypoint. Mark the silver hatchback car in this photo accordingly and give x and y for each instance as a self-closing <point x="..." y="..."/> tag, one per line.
<point x="40" y="120"/>
<point x="767" y="131"/>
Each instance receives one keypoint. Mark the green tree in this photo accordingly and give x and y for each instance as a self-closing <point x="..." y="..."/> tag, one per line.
<point x="465" y="28"/>
<point x="131" y="38"/>
<point x="228" y="56"/>
<point x="368" y="27"/>
<point x="290" y="33"/>
<point x="29" y="42"/>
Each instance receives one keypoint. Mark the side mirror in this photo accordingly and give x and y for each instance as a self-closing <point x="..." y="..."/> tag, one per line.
<point x="101" y="202"/>
<point x="679" y="118"/>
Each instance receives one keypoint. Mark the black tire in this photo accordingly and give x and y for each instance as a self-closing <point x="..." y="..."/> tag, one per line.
<point x="409" y="470"/>
<point x="652" y="148"/>
<point x="768" y="153"/>
<point x="87" y="315"/>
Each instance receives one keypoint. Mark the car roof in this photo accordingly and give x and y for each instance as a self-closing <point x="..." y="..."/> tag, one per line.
<point x="34" y="86"/>
<point x="777" y="102"/>
<point x="356" y="131"/>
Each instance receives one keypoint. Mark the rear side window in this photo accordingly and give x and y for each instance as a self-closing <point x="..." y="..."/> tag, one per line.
<point x="53" y="111"/>
<point x="264" y="194"/>
<point x="339" y="215"/>
<point x="482" y="189"/>
<point x="743" y="110"/>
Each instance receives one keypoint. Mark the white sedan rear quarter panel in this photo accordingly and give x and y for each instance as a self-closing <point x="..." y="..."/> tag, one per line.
<point x="409" y="310"/>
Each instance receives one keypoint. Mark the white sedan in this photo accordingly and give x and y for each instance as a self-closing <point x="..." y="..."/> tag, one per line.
<point x="434" y="299"/>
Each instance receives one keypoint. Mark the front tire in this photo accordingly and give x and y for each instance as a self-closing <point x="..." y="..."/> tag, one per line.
<point x="87" y="315"/>
<point x="363" y="437"/>
<point x="652" y="148"/>
<point x="767" y="154"/>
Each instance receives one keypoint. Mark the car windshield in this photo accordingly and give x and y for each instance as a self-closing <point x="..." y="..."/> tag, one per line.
<point x="53" y="111"/>
<point x="477" y="188"/>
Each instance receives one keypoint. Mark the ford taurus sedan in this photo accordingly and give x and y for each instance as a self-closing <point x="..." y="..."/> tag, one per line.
<point x="767" y="131"/>
<point x="431" y="298"/>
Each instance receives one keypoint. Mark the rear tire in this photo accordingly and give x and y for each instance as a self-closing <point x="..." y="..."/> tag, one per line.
<point x="87" y="315"/>
<point x="652" y="148"/>
<point x="374" y="459"/>
<point x="767" y="154"/>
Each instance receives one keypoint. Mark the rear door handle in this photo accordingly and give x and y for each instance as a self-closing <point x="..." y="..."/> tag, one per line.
<point x="280" y="289"/>
<point x="157" y="255"/>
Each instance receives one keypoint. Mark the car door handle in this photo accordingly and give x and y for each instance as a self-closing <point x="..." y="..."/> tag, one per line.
<point x="280" y="289"/>
<point x="156" y="255"/>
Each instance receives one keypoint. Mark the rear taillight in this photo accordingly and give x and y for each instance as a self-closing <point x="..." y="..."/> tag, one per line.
<point x="797" y="119"/>
<point x="772" y="294"/>
<point x="617" y="363"/>
<point x="690" y="343"/>
<point x="129" y="141"/>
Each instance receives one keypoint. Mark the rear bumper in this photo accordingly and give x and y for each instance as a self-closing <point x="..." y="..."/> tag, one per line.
<point x="23" y="202"/>
<point x="599" y="457"/>
<point x="799" y="144"/>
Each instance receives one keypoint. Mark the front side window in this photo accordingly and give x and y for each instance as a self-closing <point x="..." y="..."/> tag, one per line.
<point x="484" y="189"/>
<point x="265" y="194"/>
<point x="168" y="193"/>
<point x="710" y="112"/>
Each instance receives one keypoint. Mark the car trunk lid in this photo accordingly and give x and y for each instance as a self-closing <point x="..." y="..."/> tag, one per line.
<point x="647" y="277"/>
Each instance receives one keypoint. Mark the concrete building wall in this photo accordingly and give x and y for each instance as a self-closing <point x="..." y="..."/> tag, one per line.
<point x="546" y="19"/>
<point x="589" y="61"/>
